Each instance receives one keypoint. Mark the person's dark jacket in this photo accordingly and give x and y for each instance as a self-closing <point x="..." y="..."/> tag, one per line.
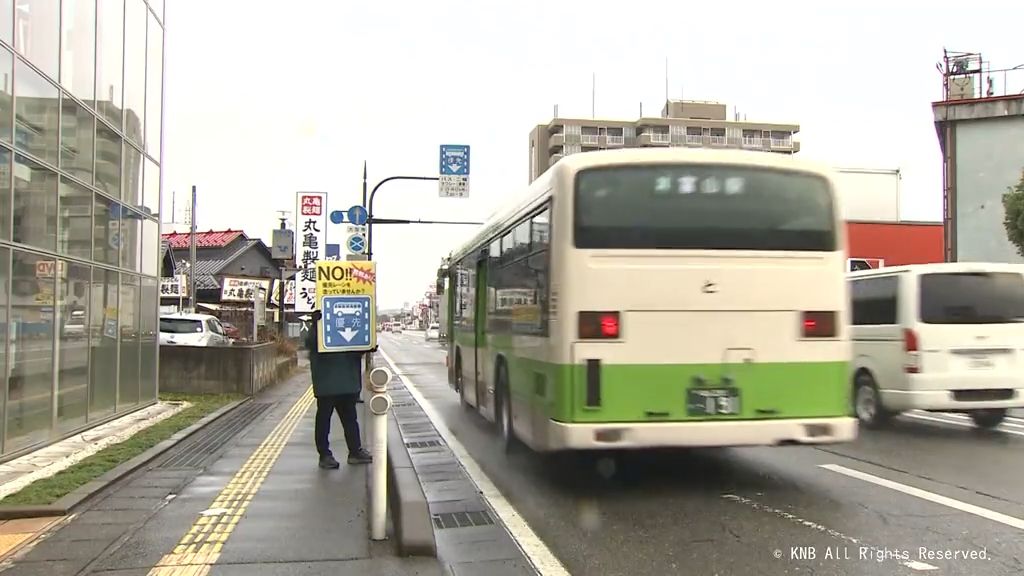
<point x="334" y="373"/>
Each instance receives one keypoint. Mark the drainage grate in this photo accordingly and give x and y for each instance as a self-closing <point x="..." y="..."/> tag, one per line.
<point x="203" y="445"/>
<point x="462" y="519"/>
<point x="423" y="444"/>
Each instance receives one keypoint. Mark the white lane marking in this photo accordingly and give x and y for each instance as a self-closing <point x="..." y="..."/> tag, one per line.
<point x="544" y="562"/>
<point x="959" y="423"/>
<point x="929" y="496"/>
<point x="914" y="565"/>
<point x="1010" y="421"/>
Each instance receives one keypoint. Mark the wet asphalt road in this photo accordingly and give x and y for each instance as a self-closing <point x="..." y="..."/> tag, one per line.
<point x="904" y="500"/>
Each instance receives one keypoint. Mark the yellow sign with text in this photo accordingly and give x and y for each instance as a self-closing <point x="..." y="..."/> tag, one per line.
<point x="346" y="298"/>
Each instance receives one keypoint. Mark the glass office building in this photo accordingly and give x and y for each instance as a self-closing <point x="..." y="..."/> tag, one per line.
<point x="81" y="92"/>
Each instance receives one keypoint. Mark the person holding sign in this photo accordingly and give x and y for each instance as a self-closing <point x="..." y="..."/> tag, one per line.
<point x="337" y="380"/>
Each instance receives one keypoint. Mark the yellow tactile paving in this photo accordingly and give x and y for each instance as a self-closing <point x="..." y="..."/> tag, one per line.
<point x="15" y="533"/>
<point x="200" y="547"/>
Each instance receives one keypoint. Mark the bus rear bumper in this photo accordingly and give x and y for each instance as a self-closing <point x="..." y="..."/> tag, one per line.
<point x="636" y="435"/>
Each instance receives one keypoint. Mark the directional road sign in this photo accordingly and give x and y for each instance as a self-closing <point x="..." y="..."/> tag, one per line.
<point x="356" y="244"/>
<point x="453" y="171"/>
<point x="346" y="323"/>
<point x="357" y="215"/>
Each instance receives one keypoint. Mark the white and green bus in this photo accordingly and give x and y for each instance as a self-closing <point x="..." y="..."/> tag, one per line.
<point x="657" y="298"/>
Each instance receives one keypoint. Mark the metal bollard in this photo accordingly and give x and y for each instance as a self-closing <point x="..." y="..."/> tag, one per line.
<point x="379" y="404"/>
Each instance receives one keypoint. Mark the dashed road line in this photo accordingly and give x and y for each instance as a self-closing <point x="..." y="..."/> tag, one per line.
<point x="960" y="423"/>
<point x="926" y="495"/>
<point x="199" y="549"/>
<point x="539" y="555"/>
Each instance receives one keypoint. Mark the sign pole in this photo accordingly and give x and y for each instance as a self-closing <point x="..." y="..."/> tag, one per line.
<point x="380" y="404"/>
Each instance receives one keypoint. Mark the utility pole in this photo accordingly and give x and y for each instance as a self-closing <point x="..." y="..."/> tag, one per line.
<point x="192" y="255"/>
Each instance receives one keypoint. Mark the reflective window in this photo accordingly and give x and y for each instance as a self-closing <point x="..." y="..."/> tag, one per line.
<point x="108" y="160"/>
<point x="128" y="380"/>
<point x="6" y="91"/>
<point x="37" y="33"/>
<point x="35" y="204"/>
<point x="30" y="385"/>
<point x="78" y="41"/>
<point x="135" y="18"/>
<point x="151" y="196"/>
<point x="150" y="248"/>
<point x="130" y="239"/>
<point x="73" y="379"/>
<point x="154" y="86"/>
<point x="131" y="176"/>
<point x="74" y="230"/>
<point x="37" y="107"/>
<point x="110" y="59"/>
<point x="77" y="133"/>
<point x="148" y="339"/>
<point x="5" y="292"/>
<point x="7" y="21"/>
<point x="5" y="194"/>
<point x="106" y="226"/>
<point x="103" y="335"/>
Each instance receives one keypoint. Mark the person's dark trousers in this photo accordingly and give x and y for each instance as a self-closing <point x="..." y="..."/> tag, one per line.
<point x="345" y="406"/>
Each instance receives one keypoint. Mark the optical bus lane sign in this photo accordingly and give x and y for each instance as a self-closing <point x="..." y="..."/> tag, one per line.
<point x="345" y="295"/>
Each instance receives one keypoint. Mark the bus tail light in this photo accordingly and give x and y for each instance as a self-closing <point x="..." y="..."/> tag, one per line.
<point x="912" y="350"/>
<point x="819" y="324"/>
<point x="599" y="326"/>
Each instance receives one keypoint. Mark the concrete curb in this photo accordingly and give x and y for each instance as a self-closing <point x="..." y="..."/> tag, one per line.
<point x="86" y="491"/>
<point x="414" y="528"/>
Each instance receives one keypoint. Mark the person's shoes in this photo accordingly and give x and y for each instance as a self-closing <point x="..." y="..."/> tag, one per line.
<point x="329" y="463"/>
<point x="360" y="457"/>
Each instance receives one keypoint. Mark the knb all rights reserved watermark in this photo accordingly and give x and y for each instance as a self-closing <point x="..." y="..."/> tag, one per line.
<point x="871" y="553"/>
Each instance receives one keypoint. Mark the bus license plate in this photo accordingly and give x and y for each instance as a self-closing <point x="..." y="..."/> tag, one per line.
<point x="713" y="401"/>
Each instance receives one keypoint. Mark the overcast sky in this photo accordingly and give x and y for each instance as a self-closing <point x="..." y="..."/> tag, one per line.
<point x="264" y="99"/>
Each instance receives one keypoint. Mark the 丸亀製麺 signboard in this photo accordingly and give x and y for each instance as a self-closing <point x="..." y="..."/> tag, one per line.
<point x="345" y="296"/>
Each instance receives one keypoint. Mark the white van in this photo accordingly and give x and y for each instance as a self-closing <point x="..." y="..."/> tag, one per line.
<point x="941" y="337"/>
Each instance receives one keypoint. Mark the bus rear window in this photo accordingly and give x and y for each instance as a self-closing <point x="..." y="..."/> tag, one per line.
<point x="972" y="298"/>
<point x="703" y="207"/>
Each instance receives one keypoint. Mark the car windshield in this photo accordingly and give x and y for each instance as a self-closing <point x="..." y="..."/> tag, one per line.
<point x="180" y="326"/>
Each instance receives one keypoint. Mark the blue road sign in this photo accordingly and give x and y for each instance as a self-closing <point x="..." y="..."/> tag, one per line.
<point x="356" y="244"/>
<point x="333" y="252"/>
<point x="338" y="217"/>
<point x="454" y="160"/>
<point x="357" y="215"/>
<point x="346" y="323"/>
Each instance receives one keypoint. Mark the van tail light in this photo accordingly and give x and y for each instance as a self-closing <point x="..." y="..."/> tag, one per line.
<point x="912" y="350"/>
<point x="599" y="326"/>
<point x="819" y="324"/>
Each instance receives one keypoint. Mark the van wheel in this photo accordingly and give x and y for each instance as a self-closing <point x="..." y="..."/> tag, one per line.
<point x="988" y="418"/>
<point x="867" y="403"/>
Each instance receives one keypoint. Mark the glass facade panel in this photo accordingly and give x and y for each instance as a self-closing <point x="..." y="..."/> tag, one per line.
<point x="5" y="194"/>
<point x="37" y="108"/>
<point x="5" y="291"/>
<point x="135" y="18"/>
<point x="150" y="247"/>
<point x="110" y="59"/>
<point x="130" y="238"/>
<point x="7" y="21"/>
<point x="128" y="379"/>
<point x="108" y="160"/>
<point x="106" y="225"/>
<point x="154" y="86"/>
<point x="103" y="336"/>
<point x="158" y="7"/>
<point x="77" y="138"/>
<point x="149" y="339"/>
<point x="6" y="92"/>
<point x="151" y="195"/>
<point x="73" y="361"/>
<point x="35" y="204"/>
<point x="131" y="176"/>
<point x="37" y="33"/>
<point x="74" y="230"/>
<point x="78" y="52"/>
<point x="30" y="384"/>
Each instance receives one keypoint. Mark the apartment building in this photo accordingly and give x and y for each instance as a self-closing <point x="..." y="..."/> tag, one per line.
<point x="682" y="123"/>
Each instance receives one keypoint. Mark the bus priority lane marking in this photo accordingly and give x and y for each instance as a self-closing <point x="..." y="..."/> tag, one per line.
<point x="200" y="547"/>
<point x="929" y="496"/>
<point x="537" y="553"/>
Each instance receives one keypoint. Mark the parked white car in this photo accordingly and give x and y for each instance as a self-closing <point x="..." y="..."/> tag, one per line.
<point x="433" y="332"/>
<point x="192" y="330"/>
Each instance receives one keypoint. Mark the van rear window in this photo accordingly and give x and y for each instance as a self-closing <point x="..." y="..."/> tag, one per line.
<point x="972" y="298"/>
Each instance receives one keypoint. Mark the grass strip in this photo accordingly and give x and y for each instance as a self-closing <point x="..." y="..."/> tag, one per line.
<point x="48" y="490"/>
